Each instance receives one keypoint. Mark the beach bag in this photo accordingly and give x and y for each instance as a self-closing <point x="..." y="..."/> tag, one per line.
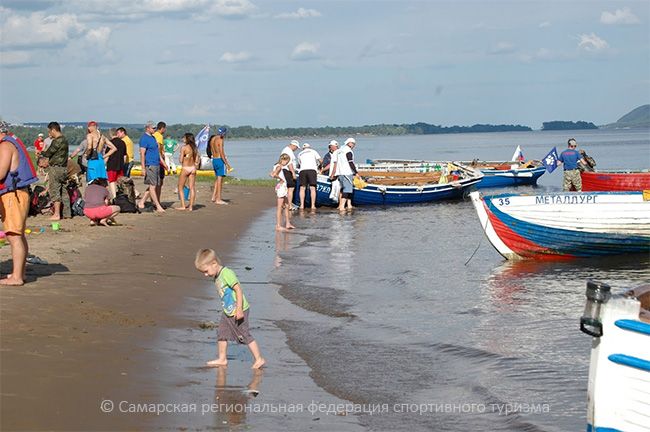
<point x="39" y="204"/>
<point x="336" y="189"/>
<point x="125" y="205"/>
<point x="76" y="201"/>
<point x="125" y="186"/>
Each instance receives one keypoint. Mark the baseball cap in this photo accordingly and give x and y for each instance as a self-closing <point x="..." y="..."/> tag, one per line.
<point x="40" y="135"/>
<point x="306" y="145"/>
<point x="295" y="142"/>
<point x="334" y="143"/>
<point x="350" y="140"/>
<point x="92" y="123"/>
<point x="222" y="130"/>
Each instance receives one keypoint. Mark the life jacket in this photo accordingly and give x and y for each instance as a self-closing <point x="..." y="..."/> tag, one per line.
<point x="24" y="175"/>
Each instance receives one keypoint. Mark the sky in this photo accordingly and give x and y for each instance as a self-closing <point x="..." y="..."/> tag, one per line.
<point x="323" y="63"/>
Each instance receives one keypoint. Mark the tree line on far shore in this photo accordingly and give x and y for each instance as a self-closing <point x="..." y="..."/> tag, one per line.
<point x="76" y="131"/>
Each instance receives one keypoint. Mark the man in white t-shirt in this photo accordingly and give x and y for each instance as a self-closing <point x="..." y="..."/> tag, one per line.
<point x="345" y="170"/>
<point x="290" y="169"/>
<point x="308" y="160"/>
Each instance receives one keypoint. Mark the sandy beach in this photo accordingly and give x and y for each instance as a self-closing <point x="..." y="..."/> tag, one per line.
<point x="85" y="325"/>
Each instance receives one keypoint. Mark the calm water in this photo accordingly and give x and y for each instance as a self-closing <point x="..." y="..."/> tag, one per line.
<point x="611" y="149"/>
<point x="394" y="313"/>
<point x="411" y="305"/>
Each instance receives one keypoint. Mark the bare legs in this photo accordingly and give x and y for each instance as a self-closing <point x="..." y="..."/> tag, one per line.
<point x="151" y="192"/>
<point x="222" y="360"/>
<point x="283" y="207"/>
<point x="216" y="194"/>
<point x="312" y="191"/>
<point x="19" y="250"/>
<point x="182" y="180"/>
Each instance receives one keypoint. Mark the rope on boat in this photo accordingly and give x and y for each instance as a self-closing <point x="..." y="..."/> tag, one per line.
<point x="479" y="242"/>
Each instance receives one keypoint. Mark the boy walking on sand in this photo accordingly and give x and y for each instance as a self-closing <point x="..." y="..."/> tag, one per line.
<point x="234" y="321"/>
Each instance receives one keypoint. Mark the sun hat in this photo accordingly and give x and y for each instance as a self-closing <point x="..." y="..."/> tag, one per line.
<point x="295" y="142"/>
<point x="350" y="140"/>
<point x="306" y="145"/>
<point x="334" y="143"/>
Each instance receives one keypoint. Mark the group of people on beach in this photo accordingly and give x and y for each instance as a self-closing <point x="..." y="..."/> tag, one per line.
<point x="337" y="164"/>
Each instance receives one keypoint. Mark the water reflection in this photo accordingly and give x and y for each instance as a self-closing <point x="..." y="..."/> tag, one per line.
<point x="232" y="400"/>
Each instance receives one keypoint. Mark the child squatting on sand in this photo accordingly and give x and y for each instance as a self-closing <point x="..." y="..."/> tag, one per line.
<point x="234" y="321"/>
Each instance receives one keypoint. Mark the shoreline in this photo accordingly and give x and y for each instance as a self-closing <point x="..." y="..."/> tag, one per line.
<point x="86" y="326"/>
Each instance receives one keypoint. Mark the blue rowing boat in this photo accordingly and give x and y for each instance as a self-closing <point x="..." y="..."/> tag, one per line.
<point x="388" y="186"/>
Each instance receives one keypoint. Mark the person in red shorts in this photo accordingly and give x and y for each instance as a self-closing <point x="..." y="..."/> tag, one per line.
<point x="116" y="161"/>
<point x="96" y="206"/>
<point x="39" y="144"/>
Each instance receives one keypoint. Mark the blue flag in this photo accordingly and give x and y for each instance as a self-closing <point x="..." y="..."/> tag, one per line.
<point x="202" y="139"/>
<point x="550" y="160"/>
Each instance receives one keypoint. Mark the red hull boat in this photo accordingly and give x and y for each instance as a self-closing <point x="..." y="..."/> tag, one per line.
<point x="615" y="180"/>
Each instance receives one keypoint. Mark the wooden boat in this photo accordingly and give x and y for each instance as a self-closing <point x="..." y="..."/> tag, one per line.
<point x="387" y="186"/>
<point x="565" y="225"/>
<point x="615" y="180"/>
<point x="495" y="173"/>
<point x="618" y="396"/>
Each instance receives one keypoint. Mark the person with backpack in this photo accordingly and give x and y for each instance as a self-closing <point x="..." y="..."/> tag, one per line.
<point x="57" y="155"/>
<point x="17" y="172"/>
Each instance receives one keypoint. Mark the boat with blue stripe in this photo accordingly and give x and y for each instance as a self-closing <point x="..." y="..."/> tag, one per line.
<point x="565" y="224"/>
<point x="619" y="372"/>
<point x="496" y="174"/>
<point x="385" y="186"/>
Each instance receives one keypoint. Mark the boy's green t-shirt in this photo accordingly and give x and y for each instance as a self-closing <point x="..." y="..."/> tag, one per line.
<point x="225" y="280"/>
<point x="170" y="145"/>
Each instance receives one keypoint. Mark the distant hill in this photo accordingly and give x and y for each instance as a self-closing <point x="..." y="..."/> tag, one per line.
<point x="567" y="125"/>
<point x="637" y="118"/>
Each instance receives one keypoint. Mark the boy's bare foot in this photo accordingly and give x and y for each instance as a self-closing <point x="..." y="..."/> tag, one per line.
<point x="55" y="218"/>
<point x="221" y="202"/>
<point x="160" y="210"/>
<point x="290" y="226"/>
<point x="258" y="364"/>
<point x="12" y="281"/>
<point x="180" y="208"/>
<point x="281" y="228"/>
<point x="217" y="363"/>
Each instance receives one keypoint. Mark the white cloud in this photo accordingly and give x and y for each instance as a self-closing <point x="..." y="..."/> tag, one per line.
<point x="15" y="58"/>
<point x="98" y="36"/>
<point x="305" y="51"/>
<point x="38" y="30"/>
<point x="620" y="16"/>
<point x="591" y="43"/>
<point x="544" y="24"/>
<point x="233" y="8"/>
<point x="239" y="57"/>
<point x="300" y="13"/>
<point x="503" y="48"/>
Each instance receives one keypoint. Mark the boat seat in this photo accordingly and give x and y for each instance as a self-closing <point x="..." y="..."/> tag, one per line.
<point x="391" y="178"/>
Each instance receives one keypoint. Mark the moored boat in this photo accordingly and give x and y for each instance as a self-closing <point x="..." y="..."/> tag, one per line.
<point x="618" y="396"/>
<point x="388" y="186"/>
<point x="565" y="225"/>
<point x="615" y="180"/>
<point x="495" y="173"/>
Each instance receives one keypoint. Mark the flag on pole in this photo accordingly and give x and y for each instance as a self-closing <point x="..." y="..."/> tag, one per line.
<point x="202" y="139"/>
<point x="518" y="155"/>
<point x="550" y="160"/>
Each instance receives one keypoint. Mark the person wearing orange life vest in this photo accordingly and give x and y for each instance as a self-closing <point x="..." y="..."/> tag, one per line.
<point x="16" y="174"/>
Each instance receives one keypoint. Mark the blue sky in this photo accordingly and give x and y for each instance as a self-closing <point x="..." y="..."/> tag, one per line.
<point x="316" y="63"/>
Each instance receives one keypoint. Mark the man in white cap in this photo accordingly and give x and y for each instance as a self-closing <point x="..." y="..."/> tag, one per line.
<point x="344" y="168"/>
<point x="290" y="170"/>
<point x="329" y="157"/>
<point x="308" y="160"/>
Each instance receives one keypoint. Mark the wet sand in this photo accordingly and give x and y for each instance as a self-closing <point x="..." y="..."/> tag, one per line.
<point x="87" y="326"/>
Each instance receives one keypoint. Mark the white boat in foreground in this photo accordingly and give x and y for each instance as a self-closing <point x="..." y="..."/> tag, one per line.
<point x="619" y="371"/>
